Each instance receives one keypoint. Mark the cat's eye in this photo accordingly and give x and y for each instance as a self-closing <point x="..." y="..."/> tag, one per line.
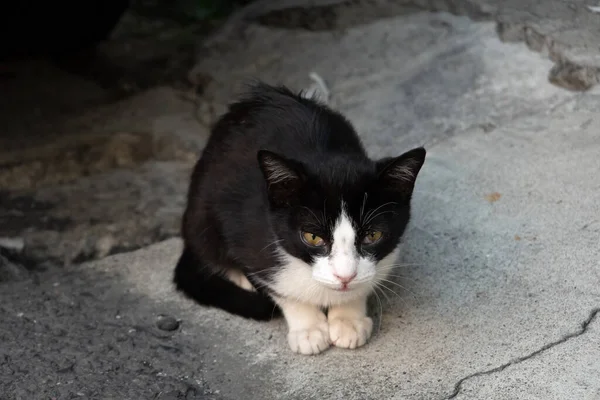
<point x="372" y="237"/>
<point x="312" y="240"/>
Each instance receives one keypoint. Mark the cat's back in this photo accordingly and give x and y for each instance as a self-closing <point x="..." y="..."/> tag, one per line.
<point x="268" y="118"/>
<point x="276" y="119"/>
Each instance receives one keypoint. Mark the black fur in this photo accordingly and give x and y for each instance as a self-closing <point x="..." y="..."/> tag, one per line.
<point x="276" y="164"/>
<point x="213" y="289"/>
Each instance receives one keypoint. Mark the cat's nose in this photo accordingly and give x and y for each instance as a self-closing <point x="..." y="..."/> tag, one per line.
<point x="345" y="278"/>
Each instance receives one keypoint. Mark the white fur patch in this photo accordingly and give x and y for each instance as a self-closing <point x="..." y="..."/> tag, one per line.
<point x="239" y="279"/>
<point x="343" y="261"/>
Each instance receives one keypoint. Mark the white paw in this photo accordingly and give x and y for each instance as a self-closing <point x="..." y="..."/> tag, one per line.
<point x="309" y="341"/>
<point x="350" y="333"/>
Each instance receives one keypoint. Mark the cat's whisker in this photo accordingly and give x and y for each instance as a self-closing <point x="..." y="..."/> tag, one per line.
<point x="376" y="286"/>
<point x="400" y="265"/>
<point x="274" y="309"/>
<point x="380" y="310"/>
<point x="310" y="290"/>
<point x="314" y="290"/>
<point x="382" y="213"/>
<point x="362" y="208"/>
<point x="394" y="270"/>
<point x="319" y="220"/>
<point x="378" y="215"/>
<point x="368" y="217"/>
<point x="391" y="273"/>
<point x="396" y="294"/>
<point x="253" y="273"/>
<point x="275" y="242"/>
<point x="394" y="283"/>
<point x="399" y="285"/>
<point x="381" y="206"/>
<point x="403" y="277"/>
<point x="399" y="272"/>
<point x="381" y="287"/>
<point x="260" y="286"/>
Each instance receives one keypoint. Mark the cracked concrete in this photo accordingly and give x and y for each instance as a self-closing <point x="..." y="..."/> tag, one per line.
<point x="499" y="285"/>
<point x="459" y="392"/>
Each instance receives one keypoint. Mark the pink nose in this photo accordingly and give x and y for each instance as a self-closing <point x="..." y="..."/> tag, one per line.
<point x="345" y="279"/>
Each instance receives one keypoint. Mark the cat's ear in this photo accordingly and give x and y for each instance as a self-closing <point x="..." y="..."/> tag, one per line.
<point x="398" y="174"/>
<point x="284" y="177"/>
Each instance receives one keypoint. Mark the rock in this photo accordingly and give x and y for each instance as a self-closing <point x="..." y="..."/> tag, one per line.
<point x="104" y="245"/>
<point x="10" y="270"/>
<point x="86" y="190"/>
<point x="167" y="323"/>
<point x="12" y="243"/>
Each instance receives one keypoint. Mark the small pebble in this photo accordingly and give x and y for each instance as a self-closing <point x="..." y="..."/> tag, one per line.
<point x="104" y="245"/>
<point x="12" y="243"/>
<point x="167" y="323"/>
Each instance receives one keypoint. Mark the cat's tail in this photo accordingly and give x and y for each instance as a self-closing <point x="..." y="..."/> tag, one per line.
<point x="214" y="290"/>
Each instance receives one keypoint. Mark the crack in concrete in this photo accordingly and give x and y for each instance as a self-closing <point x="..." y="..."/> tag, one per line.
<point x="582" y="330"/>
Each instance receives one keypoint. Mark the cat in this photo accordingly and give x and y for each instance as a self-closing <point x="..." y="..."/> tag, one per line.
<point x="288" y="215"/>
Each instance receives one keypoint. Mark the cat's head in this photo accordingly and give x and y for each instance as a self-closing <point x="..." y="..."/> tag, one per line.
<point x="338" y="222"/>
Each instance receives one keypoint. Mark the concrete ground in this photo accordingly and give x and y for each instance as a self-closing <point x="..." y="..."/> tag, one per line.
<point x="499" y="294"/>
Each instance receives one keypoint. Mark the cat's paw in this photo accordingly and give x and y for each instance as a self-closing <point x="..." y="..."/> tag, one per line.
<point x="313" y="340"/>
<point x="350" y="333"/>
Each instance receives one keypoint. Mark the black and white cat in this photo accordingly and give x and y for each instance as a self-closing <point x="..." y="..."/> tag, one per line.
<point x="286" y="212"/>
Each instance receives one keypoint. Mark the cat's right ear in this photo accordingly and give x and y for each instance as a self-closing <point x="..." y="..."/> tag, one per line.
<point x="284" y="177"/>
<point x="399" y="174"/>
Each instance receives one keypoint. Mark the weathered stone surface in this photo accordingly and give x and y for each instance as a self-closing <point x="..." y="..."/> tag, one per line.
<point x="360" y="76"/>
<point x="567" y="32"/>
<point x="99" y="180"/>
<point x="98" y="215"/>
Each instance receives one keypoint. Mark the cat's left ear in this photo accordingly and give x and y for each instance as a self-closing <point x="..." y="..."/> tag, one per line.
<point x="284" y="177"/>
<point x="398" y="174"/>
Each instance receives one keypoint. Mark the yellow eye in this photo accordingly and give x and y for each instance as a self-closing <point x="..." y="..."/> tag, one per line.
<point x="312" y="240"/>
<point x="372" y="237"/>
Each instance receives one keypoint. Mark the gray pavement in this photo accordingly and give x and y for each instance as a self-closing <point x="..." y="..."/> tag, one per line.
<point x="500" y="292"/>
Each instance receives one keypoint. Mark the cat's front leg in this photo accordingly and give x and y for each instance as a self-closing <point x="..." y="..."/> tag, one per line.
<point x="349" y="325"/>
<point x="308" y="330"/>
